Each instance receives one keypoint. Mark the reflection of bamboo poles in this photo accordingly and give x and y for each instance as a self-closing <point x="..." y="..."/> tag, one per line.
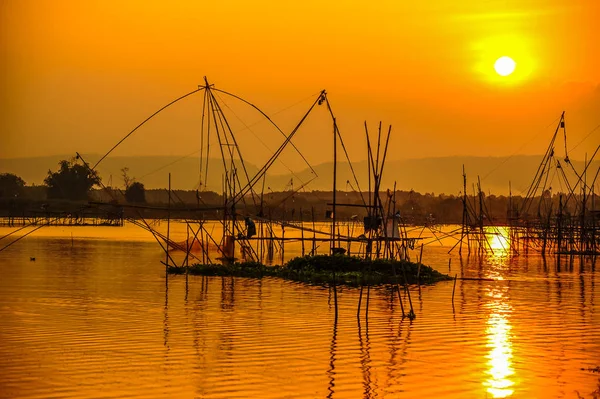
<point x="362" y="284"/>
<point x="332" y="353"/>
<point x="397" y="289"/>
<point x="335" y="298"/>
<point x="454" y="288"/>
<point x="166" y="315"/>
<point x="411" y="314"/>
<point x="365" y="358"/>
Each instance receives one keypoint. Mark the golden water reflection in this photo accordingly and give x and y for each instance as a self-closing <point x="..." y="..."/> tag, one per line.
<point x="499" y="336"/>
<point x="498" y="238"/>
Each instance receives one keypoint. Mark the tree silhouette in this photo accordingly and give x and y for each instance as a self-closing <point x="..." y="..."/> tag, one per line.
<point x="11" y="185"/>
<point x="126" y="179"/>
<point x="136" y="193"/>
<point x="72" y="181"/>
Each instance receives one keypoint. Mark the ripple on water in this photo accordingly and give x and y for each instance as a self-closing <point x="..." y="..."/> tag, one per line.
<point x="104" y="324"/>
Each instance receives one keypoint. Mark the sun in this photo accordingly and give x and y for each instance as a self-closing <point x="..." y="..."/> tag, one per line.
<point x="504" y="66"/>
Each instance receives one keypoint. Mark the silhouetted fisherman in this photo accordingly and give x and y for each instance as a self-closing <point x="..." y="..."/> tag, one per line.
<point x="250" y="227"/>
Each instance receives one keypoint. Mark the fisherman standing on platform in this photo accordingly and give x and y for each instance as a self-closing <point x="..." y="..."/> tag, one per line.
<point x="250" y="227"/>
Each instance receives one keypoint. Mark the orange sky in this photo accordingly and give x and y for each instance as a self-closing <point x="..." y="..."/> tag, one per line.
<point x="77" y="76"/>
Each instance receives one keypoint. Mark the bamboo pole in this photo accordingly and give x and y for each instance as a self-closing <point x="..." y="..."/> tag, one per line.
<point x="302" y="231"/>
<point x="187" y="248"/>
<point x="283" y="242"/>
<point x="187" y="259"/>
<point x="314" y="240"/>
<point x="333" y="221"/>
<point x="419" y="265"/>
<point x="168" y="227"/>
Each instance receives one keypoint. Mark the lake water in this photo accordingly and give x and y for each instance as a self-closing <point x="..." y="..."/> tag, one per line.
<point x="94" y="317"/>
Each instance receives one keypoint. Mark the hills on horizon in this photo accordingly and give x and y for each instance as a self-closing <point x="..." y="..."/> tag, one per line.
<point x="442" y="175"/>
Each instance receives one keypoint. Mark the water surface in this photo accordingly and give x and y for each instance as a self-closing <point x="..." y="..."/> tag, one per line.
<point x="94" y="316"/>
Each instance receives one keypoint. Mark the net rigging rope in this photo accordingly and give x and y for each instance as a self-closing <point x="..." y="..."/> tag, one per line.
<point x="273" y="123"/>
<point x="146" y="120"/>
<point x="247" y="127"/>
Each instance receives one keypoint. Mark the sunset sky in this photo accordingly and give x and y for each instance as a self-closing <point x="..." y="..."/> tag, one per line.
<point x="79" y="75"/>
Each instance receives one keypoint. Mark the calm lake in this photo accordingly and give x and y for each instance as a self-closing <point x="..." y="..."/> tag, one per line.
<point x="95" y="317"/>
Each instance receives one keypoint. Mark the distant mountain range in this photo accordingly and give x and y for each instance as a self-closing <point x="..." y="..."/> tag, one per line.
<point x="425" y="175"/>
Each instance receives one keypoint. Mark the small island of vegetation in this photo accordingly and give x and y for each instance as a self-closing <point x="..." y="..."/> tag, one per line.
<point x="319" y="269"/>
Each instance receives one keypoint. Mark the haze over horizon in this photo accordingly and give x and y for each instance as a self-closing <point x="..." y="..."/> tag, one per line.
<point x="78" y="76"/>
<point x="424" y="175"/>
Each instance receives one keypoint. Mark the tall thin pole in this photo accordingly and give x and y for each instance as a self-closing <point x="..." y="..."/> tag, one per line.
<point x="464" y="215"/>
<point x="333" y="231"/>
<point x="313" y="251"/>
<point x="187" y="258"/>
<point x="168" y="226"/>
<point x="369" y="210"/>
<point x="302" y="231"/>
<point x="334" y="185"/>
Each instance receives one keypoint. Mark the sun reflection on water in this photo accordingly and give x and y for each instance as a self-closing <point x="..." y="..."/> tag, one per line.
<point x="500" y="356"/>
<point x="498" y="238"/>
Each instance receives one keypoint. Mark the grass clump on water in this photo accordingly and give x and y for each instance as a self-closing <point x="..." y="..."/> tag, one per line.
<point x="318" y="269"/>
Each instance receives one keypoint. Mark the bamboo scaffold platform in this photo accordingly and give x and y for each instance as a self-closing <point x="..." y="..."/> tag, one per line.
<point x="563" y="221"/>
<point x="83" y="216"/>
<point x="247" y="229"/>
<point x="256" y="236"/>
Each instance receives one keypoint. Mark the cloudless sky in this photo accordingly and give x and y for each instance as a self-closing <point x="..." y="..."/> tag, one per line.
<point x="79" y="75"/>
